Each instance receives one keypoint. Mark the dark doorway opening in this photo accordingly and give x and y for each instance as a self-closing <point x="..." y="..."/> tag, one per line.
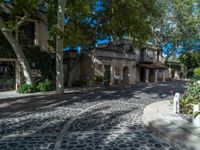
<point x="107" y="75"/>
<point x="126" y="75"/>
<point x="142" y="74"/>
<point x="7" y="76"/>
<point x="173" y="74"/>
<point x="151" y="75"/>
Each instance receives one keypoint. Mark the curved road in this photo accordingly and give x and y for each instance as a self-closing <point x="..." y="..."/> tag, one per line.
<point x="104" y="118"/>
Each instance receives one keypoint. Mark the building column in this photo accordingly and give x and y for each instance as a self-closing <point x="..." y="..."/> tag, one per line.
<point x="147" y="75"/>
<point x="163" y="76"/>
<point x="103" y="73"/>
<point x="111" y="75"/>
<point x="156" y="75"/>
<point x="177" y="77"/>
<point x="132" y="74"/>
<point x="17" y="75"/>
<point x="36" y="41"/>
<point x="170" y="73"/>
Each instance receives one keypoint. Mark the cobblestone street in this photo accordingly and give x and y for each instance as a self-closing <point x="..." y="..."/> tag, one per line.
<point x="105" y="118"/>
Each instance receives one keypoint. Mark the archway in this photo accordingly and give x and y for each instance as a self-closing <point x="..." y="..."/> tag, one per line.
<point x="126" y="75"/>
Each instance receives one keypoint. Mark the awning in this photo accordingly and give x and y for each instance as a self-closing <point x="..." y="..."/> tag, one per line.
<point x="153" y="66"/>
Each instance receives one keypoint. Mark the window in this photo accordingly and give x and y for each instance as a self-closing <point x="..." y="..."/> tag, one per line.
<point x="27" y="34"/>
<point x="158" y="55"/>
<point x="141" y="54"/>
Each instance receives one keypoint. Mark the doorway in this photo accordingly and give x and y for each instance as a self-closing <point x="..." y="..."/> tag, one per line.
<point x="151" y="75"/>
<point x="106" y="74"/>
<point x="142" y="74"/>
<point x="7" y="76"/>
<point x="126" y="75"/>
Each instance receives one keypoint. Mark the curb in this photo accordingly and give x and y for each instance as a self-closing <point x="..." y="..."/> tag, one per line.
<point x="177" y="131"/>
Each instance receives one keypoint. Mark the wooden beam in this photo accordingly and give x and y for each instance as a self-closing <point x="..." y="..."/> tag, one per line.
<point x="9" y="59"/>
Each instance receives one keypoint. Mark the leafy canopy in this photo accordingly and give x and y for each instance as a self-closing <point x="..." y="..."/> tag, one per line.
<point x="179" y="25"/>
<point x="90" y="20"/>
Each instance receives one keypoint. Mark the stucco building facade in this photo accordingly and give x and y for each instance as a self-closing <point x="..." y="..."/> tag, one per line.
<point x="119" y="63"/>
<point x="32" y="32"/>
<point x="109" y="64"/>
<point x="149" y="65"/>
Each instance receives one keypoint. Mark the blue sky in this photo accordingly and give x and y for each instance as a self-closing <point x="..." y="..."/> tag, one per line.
<point x="182" y="48"/>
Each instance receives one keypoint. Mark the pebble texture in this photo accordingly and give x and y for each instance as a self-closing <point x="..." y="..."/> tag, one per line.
<point x="107" y="118"/>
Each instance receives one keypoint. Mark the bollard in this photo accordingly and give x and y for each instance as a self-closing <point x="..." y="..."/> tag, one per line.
<point x="176" y="103"/>
<point x="196" y="121"/>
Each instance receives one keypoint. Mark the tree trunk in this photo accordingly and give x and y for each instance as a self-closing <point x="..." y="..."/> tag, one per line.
<point x="59" y="47"/>
<point x="19" y="53"/>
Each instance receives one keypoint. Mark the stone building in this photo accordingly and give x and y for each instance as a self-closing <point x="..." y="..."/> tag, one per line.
<point x="32" y="32"/>
<point x="109" y="64"/>
<point x="149" y="65"/>
<point x="119" y="63"/>
<point x="174" y="71"/>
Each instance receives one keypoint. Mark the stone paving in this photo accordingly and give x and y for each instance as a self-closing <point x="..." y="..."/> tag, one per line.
<point x="106" y="118"/>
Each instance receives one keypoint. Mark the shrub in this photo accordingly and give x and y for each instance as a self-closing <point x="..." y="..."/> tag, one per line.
<point x="45" y="85"/>
<point x="197" y="72"/>
<point x="191" y="96"/>
<point x="193" y="90"/>
<point x="27" y="88"/>
<point x="98" y="79"/>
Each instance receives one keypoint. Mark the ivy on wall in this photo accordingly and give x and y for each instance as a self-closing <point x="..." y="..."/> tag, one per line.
<point x="37" y="59"/>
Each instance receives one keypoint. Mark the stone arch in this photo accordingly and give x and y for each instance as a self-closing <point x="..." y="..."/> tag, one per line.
<point x="126" y="75"/>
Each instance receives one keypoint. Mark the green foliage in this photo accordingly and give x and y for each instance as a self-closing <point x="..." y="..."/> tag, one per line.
<point x="178" y="26"/>
<point x="189" y="61"/>
<point x="187" y="18"/>
<point x="197" y="72"/>
<point x="120" y="19"/>
<point x="21" y="7"/>
<point x="34" y="54"/>
<point x="45" y="85"/>
<point x="27" y="88"/>
<point x="41" y="58"/>
<point x="186" y="106"/>
<point x="98" y="79"/>
<point x="191" y="96"/>
<point x="193" y="90"/>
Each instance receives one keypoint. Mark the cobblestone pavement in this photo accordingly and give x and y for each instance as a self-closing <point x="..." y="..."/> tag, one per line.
<point x="107" y="118"/>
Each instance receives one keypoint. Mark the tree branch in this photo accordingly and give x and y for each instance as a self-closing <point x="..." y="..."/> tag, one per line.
<point x="3" y="26"/>
<point x="21" y="21"/>
<point x="6" y="9"/>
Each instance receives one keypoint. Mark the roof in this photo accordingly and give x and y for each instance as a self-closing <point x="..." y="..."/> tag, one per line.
<point x="123" y="45"/>
<point x="157" y="65"/>
<point x="175" y="65"/>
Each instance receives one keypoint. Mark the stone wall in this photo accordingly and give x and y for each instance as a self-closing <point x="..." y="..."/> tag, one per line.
<point x="42" y="35"/>
<point x="117" y="67"/>
<point x="87" y="71"/>
<point x="172" y="73"/>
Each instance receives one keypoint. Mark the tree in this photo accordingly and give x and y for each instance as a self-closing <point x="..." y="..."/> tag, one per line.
<point x="189" y="61"/>
<point x="85" y="23"/>
<point x="90" y="20"/>
<point x="59" y="46"/>
<point x="8" y="26"/>
<point x="179" y="26"/>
